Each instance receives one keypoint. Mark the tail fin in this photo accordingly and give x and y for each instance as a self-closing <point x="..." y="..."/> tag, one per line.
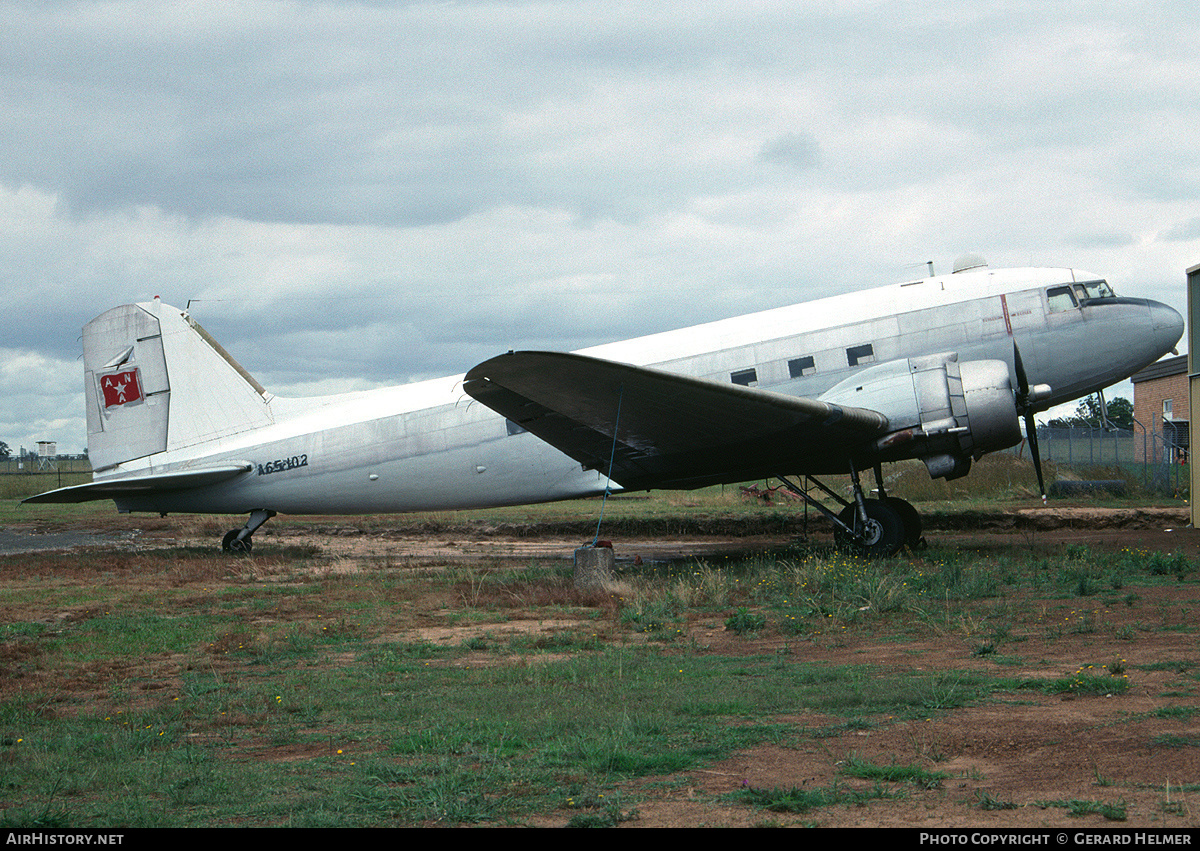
<point x="155" y="381"/>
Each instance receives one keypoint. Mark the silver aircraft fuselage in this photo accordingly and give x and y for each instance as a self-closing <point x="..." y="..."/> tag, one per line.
<point x="429" y="446"/>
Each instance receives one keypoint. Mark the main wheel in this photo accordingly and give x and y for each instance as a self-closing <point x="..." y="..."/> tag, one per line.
<point x="911" y="519"/>
<point x="231" y="544"/>
<point x="881" y="536"/>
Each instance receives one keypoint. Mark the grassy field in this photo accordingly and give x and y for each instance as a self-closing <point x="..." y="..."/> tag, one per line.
<point x="174" y="686"/>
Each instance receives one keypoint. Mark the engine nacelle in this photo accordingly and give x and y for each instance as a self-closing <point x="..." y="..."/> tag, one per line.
<point x="938" y="410"/>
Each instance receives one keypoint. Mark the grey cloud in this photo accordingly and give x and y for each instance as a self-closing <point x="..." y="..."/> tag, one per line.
<point x="487" y="174"/>
<point x="1185" y="231"/>
<point x="797" y="150"/>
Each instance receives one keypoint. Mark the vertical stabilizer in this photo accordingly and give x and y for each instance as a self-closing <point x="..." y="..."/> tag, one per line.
<point x="155" y="382"/>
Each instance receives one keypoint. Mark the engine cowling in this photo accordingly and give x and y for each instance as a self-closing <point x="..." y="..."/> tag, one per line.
<point x="939" y="410"/>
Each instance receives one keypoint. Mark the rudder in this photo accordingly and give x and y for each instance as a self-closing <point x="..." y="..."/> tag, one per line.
<point x="156" y="382"/>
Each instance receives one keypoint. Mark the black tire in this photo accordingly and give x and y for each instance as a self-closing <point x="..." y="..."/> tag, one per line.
<point x="883" y="535"/>
<point x="911" y="519"/>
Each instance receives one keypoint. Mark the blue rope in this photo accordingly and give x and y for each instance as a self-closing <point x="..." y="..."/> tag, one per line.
<point x="611" y="458"/>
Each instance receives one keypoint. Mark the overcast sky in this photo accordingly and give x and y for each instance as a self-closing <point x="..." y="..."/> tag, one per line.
<point x="355" y="194"/>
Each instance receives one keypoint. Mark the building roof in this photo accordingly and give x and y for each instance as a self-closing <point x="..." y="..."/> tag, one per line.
<point x="1162" y="369"/>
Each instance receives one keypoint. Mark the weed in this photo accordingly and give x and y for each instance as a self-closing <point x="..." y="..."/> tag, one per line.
<point x="1088" y="679"/>
<point x="1076" y="807"/>
<point x="796" y="799"/>
<point x="1173" y="740"/>
<point x="651" y="615"/>
<point x="1162" y="564"/>
<point x="745" y="621"/>
<point x="988" y="802"/>
<point x="833" y="731"/>
<point x="608" y="813"/>
<point x="855" y="766"/>
<point x="1111" y="811"/>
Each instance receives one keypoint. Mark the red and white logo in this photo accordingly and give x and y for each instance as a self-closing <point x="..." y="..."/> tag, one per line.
<point x="121" y="388"/>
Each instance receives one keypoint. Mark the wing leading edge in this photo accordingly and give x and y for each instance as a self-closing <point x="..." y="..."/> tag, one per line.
<point x="672" y="431"/>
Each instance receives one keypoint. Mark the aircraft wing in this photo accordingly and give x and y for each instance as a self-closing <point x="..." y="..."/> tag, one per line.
<point x="115" y="488"/>
<point x="672" y="431"/>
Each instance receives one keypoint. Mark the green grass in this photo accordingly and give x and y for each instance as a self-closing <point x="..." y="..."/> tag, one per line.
<point x="16" y="486"/>
<point x="1113" y="811"/>
<point x="801" y="800"/>
<point x="397" y="736"/>
<point x="855" y="766"/>
<point x="400" y="732"/>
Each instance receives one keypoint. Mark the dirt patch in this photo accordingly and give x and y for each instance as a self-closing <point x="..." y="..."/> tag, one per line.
<point x="1014" y="763"/>
<point x="403" y="539"/>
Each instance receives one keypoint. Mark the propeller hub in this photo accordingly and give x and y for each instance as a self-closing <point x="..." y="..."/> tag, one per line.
<point x="1035" y="394"/>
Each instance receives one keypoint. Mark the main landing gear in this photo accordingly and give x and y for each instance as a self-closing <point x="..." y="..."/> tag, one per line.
<point x="238" y="540"/>
<point x="868" y="526"/>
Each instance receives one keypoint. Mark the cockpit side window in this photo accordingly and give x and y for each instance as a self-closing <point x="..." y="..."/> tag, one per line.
<point x="1094" y="289"/>
<point x="1059" y="299"/>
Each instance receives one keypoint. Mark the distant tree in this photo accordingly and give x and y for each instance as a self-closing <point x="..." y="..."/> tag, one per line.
<point x="1120" y="413"/>
<point x="4" y="450"/>
<point x="1087" y="414"/>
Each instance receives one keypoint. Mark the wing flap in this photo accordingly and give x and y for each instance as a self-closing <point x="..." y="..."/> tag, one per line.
<point x="115" y="488"/>
<point x="671" y="430"/>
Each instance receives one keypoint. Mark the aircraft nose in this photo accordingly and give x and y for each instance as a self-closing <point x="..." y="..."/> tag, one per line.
<point x="1166" y="323"/>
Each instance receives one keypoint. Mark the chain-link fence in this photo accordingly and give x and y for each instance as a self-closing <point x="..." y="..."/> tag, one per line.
<point x="25" y="475"/>
<point x="1156" y="457"/>
<point x="31" y="465"/>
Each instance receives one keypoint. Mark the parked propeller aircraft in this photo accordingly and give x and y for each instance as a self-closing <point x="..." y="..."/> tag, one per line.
<point x="938" y="369"/>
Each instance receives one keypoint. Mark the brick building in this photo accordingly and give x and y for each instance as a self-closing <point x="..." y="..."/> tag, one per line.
<point x="1161" y="403"/>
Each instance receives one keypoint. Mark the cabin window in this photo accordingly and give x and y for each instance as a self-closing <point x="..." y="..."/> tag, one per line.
<point x="856" y="355"/>
<point x="801" y="366"/>
<point x="1059" y="299"/>
<point x="744" y="377"/>
<point x="513" y="428"/>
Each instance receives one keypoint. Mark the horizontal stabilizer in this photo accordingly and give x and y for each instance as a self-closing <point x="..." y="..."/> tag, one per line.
<point x="670" y="430"/>
<point x="115" y="488"/>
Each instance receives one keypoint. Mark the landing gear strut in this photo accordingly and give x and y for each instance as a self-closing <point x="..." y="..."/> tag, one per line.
<point x="238" y="540"/>
<point x="871" y="527"/>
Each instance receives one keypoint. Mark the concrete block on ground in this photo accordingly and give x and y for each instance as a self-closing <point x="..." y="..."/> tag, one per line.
<point x="594" y="567"/>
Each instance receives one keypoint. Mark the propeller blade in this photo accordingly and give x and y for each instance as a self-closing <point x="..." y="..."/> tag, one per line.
<point x="1022" y="380"/>
<point x="1031" y="436"/>
<point x="1025" y="406"/>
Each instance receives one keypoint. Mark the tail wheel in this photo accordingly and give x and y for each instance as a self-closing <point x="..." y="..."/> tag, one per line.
<point x="882" y="535"/>
<point x="231" y="544"/>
